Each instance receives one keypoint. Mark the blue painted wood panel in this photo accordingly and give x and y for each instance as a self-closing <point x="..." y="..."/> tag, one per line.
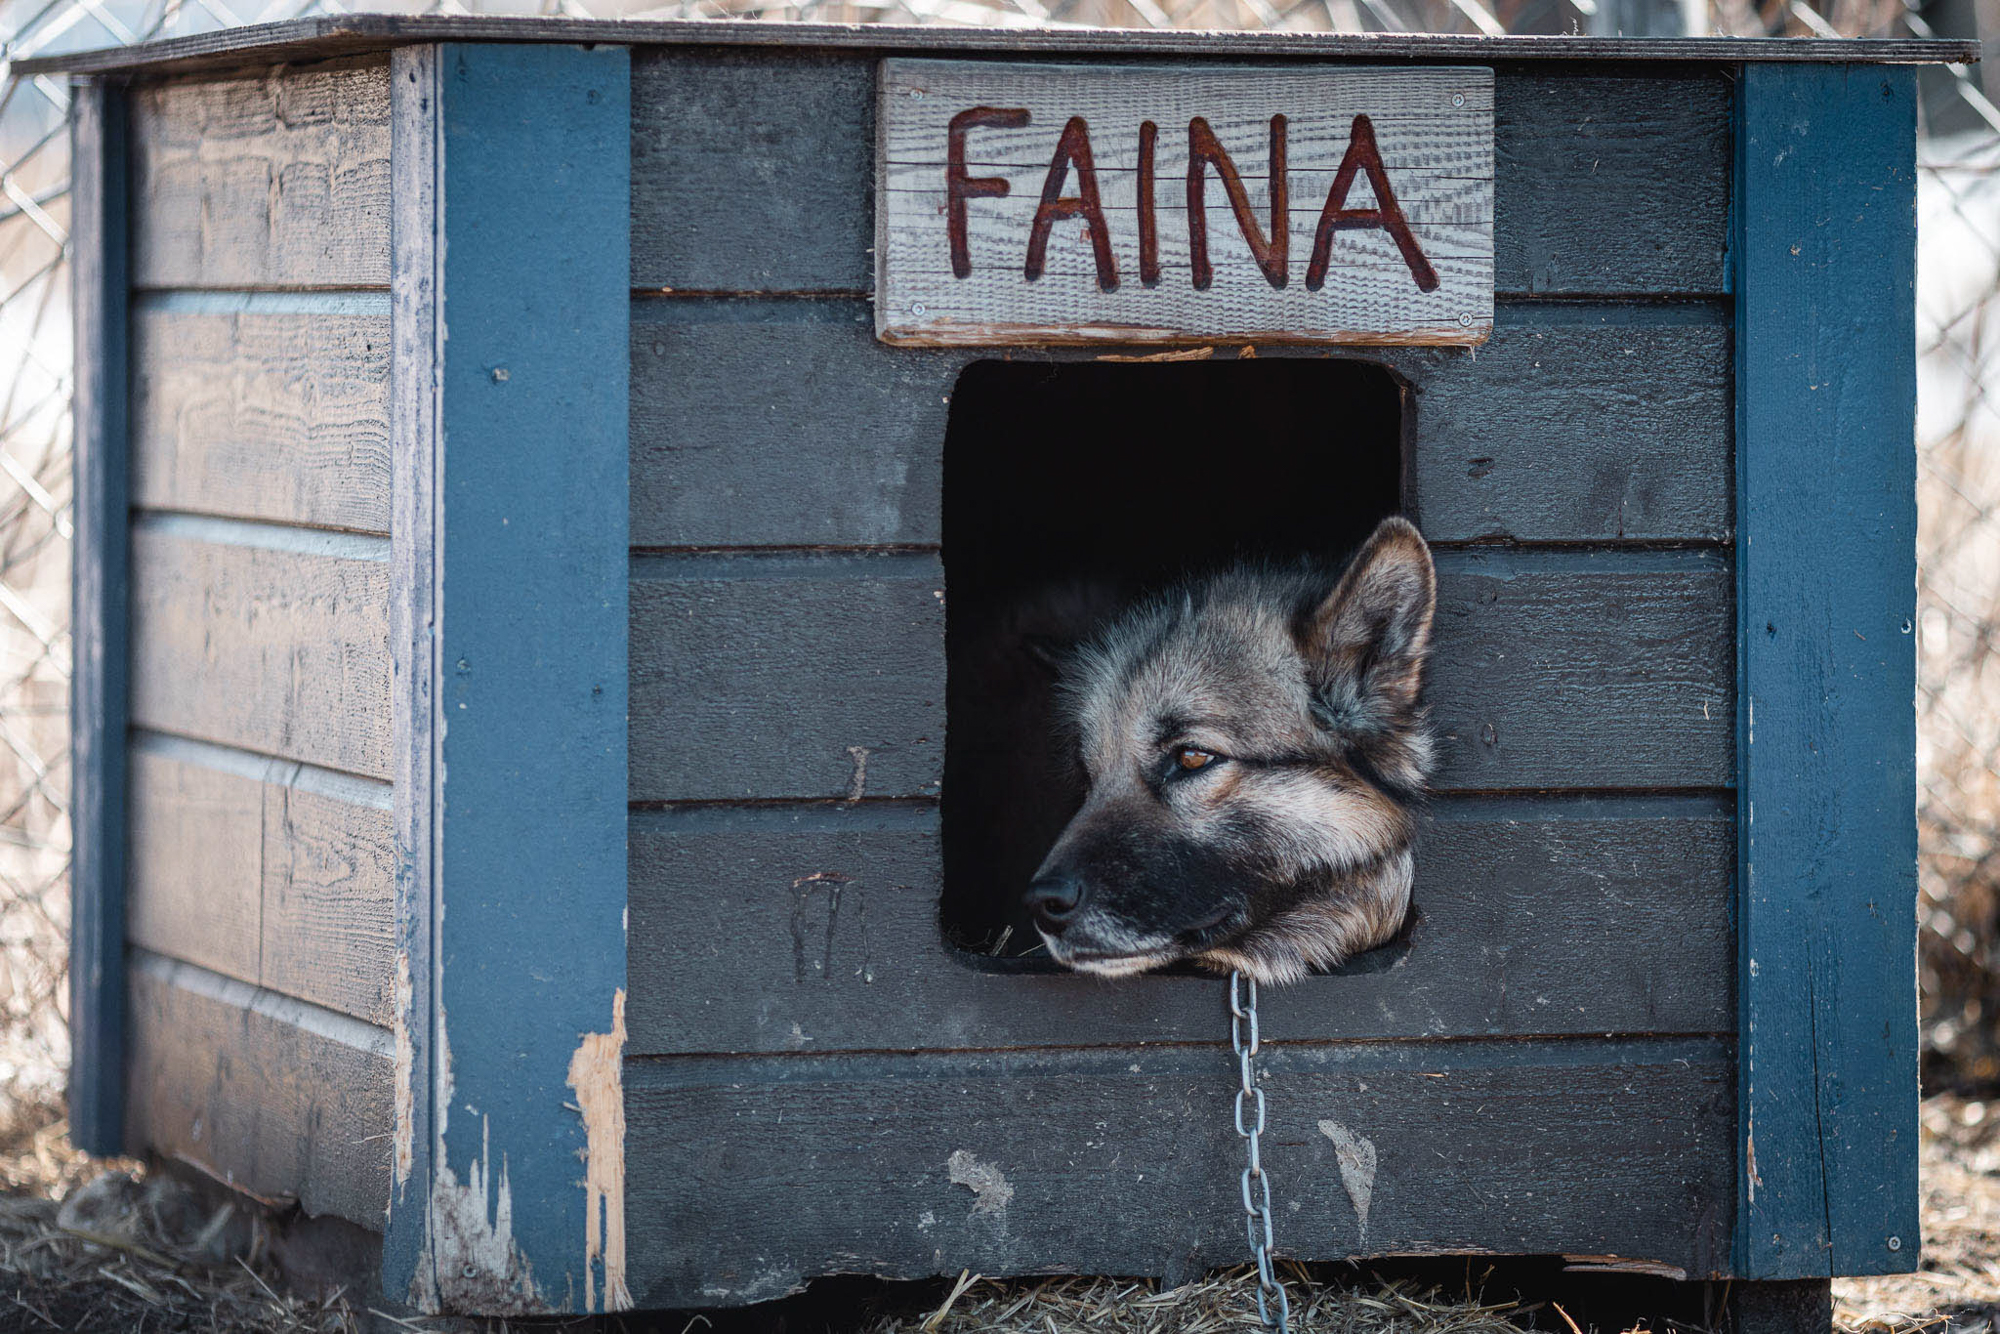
<point x="98" y="685"/>
<point x="1826" y="524"/>
<point x="511" y="354"/>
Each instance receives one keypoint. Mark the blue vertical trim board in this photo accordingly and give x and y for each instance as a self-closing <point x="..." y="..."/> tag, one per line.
<point x="512" y="384"/>
<point x="99" y="623"/>
<point x="1826" y="550"/>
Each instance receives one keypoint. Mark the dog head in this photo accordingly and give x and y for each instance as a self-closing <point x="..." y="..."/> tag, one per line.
<point x="1253" y="746"/>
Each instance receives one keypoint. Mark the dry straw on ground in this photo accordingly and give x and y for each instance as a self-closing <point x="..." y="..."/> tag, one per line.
<point x="1219" y="1304"/>
<point x="87" y="1245"/>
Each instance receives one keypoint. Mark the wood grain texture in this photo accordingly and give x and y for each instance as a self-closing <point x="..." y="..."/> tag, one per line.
<point x="1012" y="1163"/>
<point x="830" y="917"/>
<point x="1578" y="162"/>
<point x="264" y="871"/>
<point x="1611" y="184"/>
<point x="1606" y="424"/>
<point x="319" y="38"/>
<point x="100" y="637"/>
<point x="791" y="131"/>
<point x="1826" y="392"/>
<point x="273" y="179"/>
<point x="1573" y="424"/>
<point x="280" y="416"/>
<point x="416" y="456"/>
<point x="272" y="1096"/>
<point x="839" y="442"/>
<point x="1554" y="671"/>
<point x="1432" y="127"/>
<point x="276" y="650"/>
<point x="787" y="676"/>
<point x="769" y="676"/>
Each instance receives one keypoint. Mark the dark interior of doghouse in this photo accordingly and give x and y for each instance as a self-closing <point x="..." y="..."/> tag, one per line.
<point x="1071" y="488"/>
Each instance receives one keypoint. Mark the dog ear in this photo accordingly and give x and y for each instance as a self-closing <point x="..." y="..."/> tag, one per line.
<point x="1366" y="642"/>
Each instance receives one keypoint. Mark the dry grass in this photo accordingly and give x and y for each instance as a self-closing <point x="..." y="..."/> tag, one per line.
<point x="1219" y="1304"/>
<point x="88" y="1245"/>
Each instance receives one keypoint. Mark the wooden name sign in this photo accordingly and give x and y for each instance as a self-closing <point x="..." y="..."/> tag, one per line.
<point x="1022" y="204"/>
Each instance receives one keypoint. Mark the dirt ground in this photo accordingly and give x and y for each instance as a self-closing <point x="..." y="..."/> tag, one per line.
<point x="94" y="1246"/>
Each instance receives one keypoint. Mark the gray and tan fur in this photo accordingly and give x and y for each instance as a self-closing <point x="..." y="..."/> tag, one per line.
<point x="1254" y="747"/>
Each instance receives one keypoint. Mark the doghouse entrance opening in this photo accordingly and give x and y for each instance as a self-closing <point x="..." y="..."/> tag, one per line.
<point x="1070" y="489"/>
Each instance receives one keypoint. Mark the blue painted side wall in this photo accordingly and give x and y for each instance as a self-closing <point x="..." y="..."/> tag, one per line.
<point x="100" y="632"/>
<point x="517" y="391"/>
<point x="1825" y="269"/>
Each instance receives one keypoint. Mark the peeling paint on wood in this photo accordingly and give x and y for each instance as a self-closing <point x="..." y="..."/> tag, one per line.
<point x="595" y="1072"/>
<point x="478" y="1266"/>
<point x="1355" y="1156"/>
<point x="405" y="1064"/>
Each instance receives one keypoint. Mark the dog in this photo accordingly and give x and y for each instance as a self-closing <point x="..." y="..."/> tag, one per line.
<point x="1254" y="750"/>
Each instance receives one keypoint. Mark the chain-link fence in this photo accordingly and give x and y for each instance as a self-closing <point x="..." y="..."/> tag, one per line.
<point x="1959" y="429"/>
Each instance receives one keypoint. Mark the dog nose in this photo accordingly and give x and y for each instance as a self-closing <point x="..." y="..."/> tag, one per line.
<point x="1054" y="900"/>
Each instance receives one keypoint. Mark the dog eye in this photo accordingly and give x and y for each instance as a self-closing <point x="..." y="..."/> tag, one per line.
<point x="1189" y="757"/>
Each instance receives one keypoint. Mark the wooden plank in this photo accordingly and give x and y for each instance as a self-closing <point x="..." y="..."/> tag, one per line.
<point x="1553" y="670"/>
<point x="1011" y="1163"/>
<point x="1603" y="424"/>
<point x="1574" y="424"/>
<point x="1611" y="184"/>
<point x="280" y="647"/>
<point x="320" y="37"/>
<point x="274" y="179"/>
<point x="264" y="870"/>
<point x="197" y="848"/>
<point x="791" y="131"/>
<point x="829" y="916"/>
<point x="262" y="409"/>
<point x="1578" y="160"/>
<point x="992" y="263"/>
<point x="518" y="448"/>
<point x="783" y="676"/>
<point x="99" y="636"/>
<point x="787" y="676"/>
<point x="267" y="1094"/>
<point x="329" y="886"/>
<point x="839" y="441"/>
<point x="1826" y="509"/>
<point x="414" y="74"/>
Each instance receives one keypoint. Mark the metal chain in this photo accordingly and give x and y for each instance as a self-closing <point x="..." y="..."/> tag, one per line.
<point x="1256" y="1182"/>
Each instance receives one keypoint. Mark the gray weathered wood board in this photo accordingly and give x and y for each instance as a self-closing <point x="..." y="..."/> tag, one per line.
<point x="1432" y="128"/>
<point x="787" y="675"/>
<point x="1539" y="917"/>
<point x="836" y="440"/>
<point x="1599" y="424"/>
<point x="274" y="179"/>
<point x="1573" y="424"/>
<point x="1560" y="670"/>
<point x="265" y="871"/>
<point x="782" y="676"/>
<point x="1012" y="1163"/>
<point x="1579" y="162"/>
<point x="281" y="415"/>
<point x="266" y="1093"/>
<point x="281" y="649"/>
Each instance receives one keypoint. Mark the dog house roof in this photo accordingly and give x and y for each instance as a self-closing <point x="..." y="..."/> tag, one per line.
<point x="319" y="38"/>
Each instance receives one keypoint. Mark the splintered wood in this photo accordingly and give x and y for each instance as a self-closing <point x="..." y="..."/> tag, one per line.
<point x="1020" y="204"/>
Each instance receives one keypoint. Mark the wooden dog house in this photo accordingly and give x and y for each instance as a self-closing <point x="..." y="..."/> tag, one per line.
<point x="511" y="700"/>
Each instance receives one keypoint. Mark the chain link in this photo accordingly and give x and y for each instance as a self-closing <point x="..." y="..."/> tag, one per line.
<point x="1244" y="1037"/>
